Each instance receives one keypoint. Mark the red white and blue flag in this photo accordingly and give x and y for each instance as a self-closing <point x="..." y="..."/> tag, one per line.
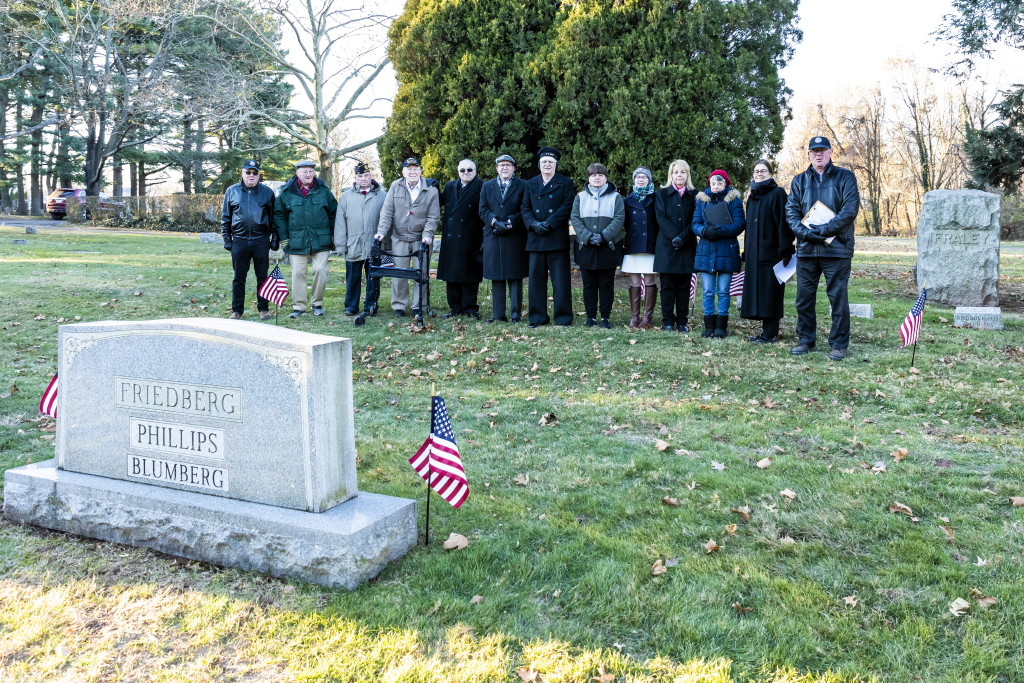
<point x="438" y="462"/>
<point x="693" y="287"/>
<point x="48" y="403"/>
<point x="736" y="286"/>
<point x="274" y="288"/>
<point x="910" y="330"/>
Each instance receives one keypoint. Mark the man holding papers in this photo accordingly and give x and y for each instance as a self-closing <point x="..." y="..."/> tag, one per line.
<point x="821" y="210"/>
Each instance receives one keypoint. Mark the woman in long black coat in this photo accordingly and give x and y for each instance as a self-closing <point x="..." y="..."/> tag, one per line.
<point x="769" y="240"/>
<point x="676" y="245"/>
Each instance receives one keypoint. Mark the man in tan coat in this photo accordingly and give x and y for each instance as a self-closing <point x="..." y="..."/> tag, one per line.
<point x="411" y="212"/>
<point x="358" y="216"/>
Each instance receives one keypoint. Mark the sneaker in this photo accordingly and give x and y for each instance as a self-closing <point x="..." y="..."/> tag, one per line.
<point x="235" y="316"/>
<point x="318" y="310"/>
<point x="264" y="315"/>
<point x="605" y="324"/>
<point x="837" y="354"/>
<point x="802" y="348"/>
<point x="296" y="313"/>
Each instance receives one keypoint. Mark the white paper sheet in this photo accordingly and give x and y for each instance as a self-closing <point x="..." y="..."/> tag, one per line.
<point x="819" y="215"/>
<point x="784" y="273"/>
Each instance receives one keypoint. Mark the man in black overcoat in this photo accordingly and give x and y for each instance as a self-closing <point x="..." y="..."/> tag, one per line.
<point x="505" y="261"/>
<point x="460" y="261"/>
<point x="546" y="206"/>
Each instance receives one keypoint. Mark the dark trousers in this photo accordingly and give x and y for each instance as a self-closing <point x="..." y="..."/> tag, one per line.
<point x="770" y="327"/>
<point x="598" y="284"/>
<point x="675" y="298"/>
<point x="354" y="271"/>
<point x="515" y="296"/>
<point x="462" y="297"/>
<point x="557" y="263"/>
<point x="837" y="278"/>
<point x="243" y="252"/>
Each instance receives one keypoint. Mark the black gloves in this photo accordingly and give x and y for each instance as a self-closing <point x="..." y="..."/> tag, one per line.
<point x="275" y="242"/>
<point x="678" y="242"/>
<point x="595" y="239"/>
<point x="500" y="228"/>
<point x="710" y="232"/>
<point x="541" y="228"/>
<point x="227" y="244"/>
<point x="814" y="237"/>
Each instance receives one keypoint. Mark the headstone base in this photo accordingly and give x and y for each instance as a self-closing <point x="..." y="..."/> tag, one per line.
<point x="978" y="317"/>
<point x="861" y="311"/>
<point x="210" y="238"/>
<point x="339" y="548"/>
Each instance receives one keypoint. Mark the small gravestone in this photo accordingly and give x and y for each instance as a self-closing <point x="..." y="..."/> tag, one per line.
<point x="978" y="317"/>
<point x="862" y="311"/>
<point x="958" y="247"/>
<point x="30" y="231"/>
<point x="20" y="242"/>
<point x="210" y="238"/>
<point x="228" y="442"/>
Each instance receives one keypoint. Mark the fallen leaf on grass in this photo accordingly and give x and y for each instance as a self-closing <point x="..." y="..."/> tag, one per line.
<point x="786" y="540"/>
<point x="950" y="536"/>
<point x="661" y="445"/>
<point x="879" y="468"/>
<point x="764" y="463"/>
<point x="477" y="599"/>
<point x="959" y="607"/>
<point x="850" y="600"/>
<point x="717" y="466"/>
<point x="743" y="511"/>
<point x="1017" y="501"/>
<point x="671" y="502"/>
<point x="711" y="546"/>
<point x="787" y="493"/>
<point x="658" y="568"/>
<point x="602" y="676"/>
<point x="528" y="675"/>
<point x="456" y="542"/>
<point x="39" y="317"/>
<point x="900" y="508"/>
<point x="981" y="562"/>
<point x="547" y="420"/>
<point x="900" y="454"/>
<point x="672" y="561"/>
<point x="983" y="601"/>
<point x="730" y="529"/>
<point x="691" y="486"/>
<point x="62" y="651"/>
<point x="741" y="609"/>
<point x="521" y="479"/>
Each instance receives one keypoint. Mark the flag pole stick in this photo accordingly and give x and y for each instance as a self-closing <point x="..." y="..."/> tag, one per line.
<point x="430" y="469"/>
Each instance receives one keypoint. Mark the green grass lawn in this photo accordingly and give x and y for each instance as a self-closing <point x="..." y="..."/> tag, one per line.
<point x="653" y="454"/>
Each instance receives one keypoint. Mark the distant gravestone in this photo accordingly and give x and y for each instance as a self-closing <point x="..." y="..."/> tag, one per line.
<point x="228" y="442"/>
<point x="978" y="317"/>
<point x="958" y="247"/>
<point x="30" y="231"/>
<point x="862" y="311"/>
<point x="210" y="238"/>
<point x="19" y="242"/>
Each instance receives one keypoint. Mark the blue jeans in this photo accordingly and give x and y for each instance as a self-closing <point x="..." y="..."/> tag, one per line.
<point x="716" y="283"/>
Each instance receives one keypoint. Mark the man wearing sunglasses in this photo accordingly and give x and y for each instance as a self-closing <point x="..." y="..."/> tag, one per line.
<point x="247" y="225"/>
<point x="460" y="264"/>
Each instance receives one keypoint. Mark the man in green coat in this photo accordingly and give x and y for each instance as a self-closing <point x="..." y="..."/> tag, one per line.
<point x="304" y="215"/>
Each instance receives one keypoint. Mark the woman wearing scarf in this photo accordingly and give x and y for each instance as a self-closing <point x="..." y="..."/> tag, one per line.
<point x="675" y="246"/>
<point x="597" y="217"/>
<point x="769" y="240"/>
<point x="718" y="221"/>
<point x="641" y="237"/>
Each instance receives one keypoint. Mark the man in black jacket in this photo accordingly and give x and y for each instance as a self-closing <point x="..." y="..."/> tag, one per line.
<point x="504" y="247"/>
<point x="460" y="264"/>
<point x="547" y="204"/>
<point x="823" y="248"/>
<point x="247" y="225"/>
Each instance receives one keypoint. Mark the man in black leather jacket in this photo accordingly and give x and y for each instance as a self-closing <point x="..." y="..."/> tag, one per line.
<point x="247" y="225"/>
<point x="825" y="248"/>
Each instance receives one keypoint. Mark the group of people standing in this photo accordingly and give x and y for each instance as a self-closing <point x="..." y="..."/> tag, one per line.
<point x="507" y="229"/>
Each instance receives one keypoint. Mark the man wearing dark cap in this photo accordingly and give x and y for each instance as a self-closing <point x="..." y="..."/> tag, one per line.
<point x="411" y="212"/>
<point x="504" y="247"/>
<point x="824" y="247"/>
<point x="247" y="225"/>
<point x="459" y="264"/>
<point x="358" y="214"/>
<point x="304" y="215"/>
<point x="546" y="206"/>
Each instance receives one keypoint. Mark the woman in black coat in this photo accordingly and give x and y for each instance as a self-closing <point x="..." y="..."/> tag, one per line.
<point x="769" y="240"/>
<point x="460" y="263"/>
<point x="676" y="245"/>
<point x="641" y="236"/>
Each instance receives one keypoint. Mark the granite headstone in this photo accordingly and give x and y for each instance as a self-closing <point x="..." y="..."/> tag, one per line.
<point x="978" y="317"/>
<point x="861" y="311"/>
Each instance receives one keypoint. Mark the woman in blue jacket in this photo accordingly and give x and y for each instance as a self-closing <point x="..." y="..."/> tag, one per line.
<point x="717" y="220"/>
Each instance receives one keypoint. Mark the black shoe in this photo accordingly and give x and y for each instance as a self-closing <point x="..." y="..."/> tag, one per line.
<point x="590" y="322"/>
<point x="684" y="328"/>
<point x="399" y="313"/>
<point x="474" y="314"/>
<point x="721" y="323"/>
<point x="349" y="311"/>
<point x="415" y="312"/>
<point x="264" y="315"/>
<point x="668" y="327"/>
<point x="605" y="324"/>
<point x="318" y="310"/>
<point x="502" y="319"/>
<point x="296" y="314"/>
<point x="837" y="354"/>
<point x="802" y="348"/>
<point x="449" y="314"/>
<point x="516" y="318"/>
<point x="709" y="325"/>
<point x="761" y="339"/>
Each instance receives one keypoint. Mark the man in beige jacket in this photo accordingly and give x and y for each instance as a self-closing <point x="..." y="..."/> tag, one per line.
<point x="411" y="210"/>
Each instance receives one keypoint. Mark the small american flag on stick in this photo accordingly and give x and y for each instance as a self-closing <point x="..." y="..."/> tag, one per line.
<point x="910" y="330"/>
<point x="693" y="287"/>
<point x="274" y="288"/>
<point x="736" y="286"/>
<point x="438" y="462"/>
<point x="48" y="403"/>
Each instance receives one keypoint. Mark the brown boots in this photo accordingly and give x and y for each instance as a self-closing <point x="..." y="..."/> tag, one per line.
<point x="634" y="307"/>
<point x="650" y="298"/>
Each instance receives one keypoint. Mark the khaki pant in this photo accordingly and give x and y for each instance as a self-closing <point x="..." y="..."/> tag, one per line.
<point x="400" y="286"/>
<point x="299" y="263"/>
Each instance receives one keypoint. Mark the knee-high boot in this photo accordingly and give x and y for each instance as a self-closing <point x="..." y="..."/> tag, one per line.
<point x="650" y="299"/>
<point x="634" y="307"/>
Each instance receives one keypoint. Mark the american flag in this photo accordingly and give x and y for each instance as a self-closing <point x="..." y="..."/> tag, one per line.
<point x="438" y="458"/>
<point x="48" y="403"/>
<point x="910" y="330"/>
<point x="274" y="289"/>
<point x="387" y="260"/>
<point x="736" y="286"/>
<point x="693" y="287"/>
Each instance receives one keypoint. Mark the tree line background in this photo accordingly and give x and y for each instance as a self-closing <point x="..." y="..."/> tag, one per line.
<point x="119" y="95"/>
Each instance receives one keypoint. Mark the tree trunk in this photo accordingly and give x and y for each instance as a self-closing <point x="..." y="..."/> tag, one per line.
<point x="19" y="150"/>
<point x="133" y="179"/>
<point x="36" y="162"/>
<point x="186" y="154"/>
<point x="5" y="194"/>
<point x="198" y="171"/>
<point x="118" y="178"/>
<point x="142" y="178"/>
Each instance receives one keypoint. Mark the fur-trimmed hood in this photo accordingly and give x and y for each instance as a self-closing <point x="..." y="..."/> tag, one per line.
<point x="707" y="196"/>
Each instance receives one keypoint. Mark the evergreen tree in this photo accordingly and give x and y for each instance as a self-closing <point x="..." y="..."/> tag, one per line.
<point x="623" y="82"/>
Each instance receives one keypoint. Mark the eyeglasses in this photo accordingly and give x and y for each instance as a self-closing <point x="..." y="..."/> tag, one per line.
<point x="251" y="172"/>
<point x="759" y="171"/>
<point x="466" y="170"/>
